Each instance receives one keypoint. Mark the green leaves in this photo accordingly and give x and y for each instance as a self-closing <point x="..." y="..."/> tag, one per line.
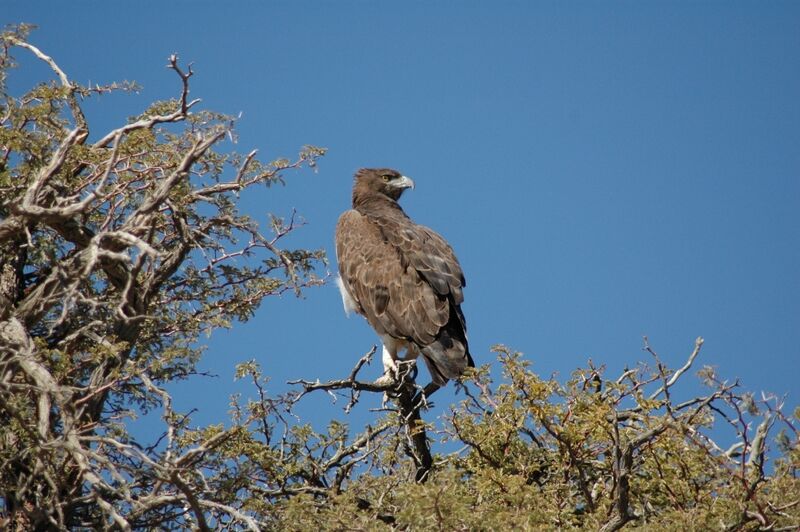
<point x="524" y="453"/>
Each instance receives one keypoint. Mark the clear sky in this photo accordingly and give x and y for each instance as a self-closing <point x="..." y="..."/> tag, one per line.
<point x="604" y="171"/>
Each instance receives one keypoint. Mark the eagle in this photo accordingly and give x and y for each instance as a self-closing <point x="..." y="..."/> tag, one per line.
<point x="404" y="278"/>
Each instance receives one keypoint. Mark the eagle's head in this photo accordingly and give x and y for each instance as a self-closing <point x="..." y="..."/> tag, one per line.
<point x="384" y="181"/>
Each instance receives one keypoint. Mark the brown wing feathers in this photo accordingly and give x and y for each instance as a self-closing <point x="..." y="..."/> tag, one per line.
<point x="433" y="259"/>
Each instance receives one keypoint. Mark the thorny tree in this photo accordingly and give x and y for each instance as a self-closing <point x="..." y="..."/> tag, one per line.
<point x="119" y="248"/>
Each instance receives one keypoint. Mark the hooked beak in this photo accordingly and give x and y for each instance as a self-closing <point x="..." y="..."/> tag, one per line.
<point x="404" y="182"/>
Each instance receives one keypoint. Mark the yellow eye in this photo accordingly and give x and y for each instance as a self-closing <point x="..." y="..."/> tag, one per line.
<point x="386" y="177"/>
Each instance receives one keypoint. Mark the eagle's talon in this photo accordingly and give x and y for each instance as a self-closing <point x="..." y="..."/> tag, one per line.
<point x="406" y="369"/>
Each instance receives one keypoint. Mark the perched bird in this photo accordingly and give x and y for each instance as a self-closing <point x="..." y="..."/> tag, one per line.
<point x="403" y="278"/>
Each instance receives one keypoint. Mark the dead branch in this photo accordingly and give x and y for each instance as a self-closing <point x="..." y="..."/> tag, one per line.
<point x="698" y="343"/>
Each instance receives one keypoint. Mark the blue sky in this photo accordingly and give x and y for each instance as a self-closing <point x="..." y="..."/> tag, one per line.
<point x="604" y="171"/>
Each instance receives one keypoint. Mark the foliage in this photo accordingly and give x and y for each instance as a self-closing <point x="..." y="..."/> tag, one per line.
<point x="535" y="454"/>
<point x="117" y="253"/>
<point x="120" y="251"/>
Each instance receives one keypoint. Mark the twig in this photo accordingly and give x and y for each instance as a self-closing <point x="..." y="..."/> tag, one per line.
<point x="698" y="343"/>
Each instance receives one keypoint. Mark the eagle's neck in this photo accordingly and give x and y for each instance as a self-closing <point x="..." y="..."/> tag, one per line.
<point x="376" y="205"/>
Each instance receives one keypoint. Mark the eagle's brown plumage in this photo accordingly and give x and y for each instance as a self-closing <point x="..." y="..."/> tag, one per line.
<point x="402" y="277"/>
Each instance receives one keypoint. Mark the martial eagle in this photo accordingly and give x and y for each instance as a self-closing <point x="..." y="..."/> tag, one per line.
<point x="403" y="278"/>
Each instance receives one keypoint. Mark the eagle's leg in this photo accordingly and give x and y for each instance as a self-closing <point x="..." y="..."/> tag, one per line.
<point x="395" y="367"/>
<point x="390" y="359"/>
<point x="391" y="371"/>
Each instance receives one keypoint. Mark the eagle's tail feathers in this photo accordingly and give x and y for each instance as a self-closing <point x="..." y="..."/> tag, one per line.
<point x="448" y="355"/>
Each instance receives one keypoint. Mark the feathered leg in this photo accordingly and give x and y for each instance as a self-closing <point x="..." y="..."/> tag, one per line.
<point x="391" y="371"/>
<point x="392" y="362"/>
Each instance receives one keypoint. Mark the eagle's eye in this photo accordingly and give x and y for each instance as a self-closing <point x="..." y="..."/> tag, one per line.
<point x="387" y="177"/>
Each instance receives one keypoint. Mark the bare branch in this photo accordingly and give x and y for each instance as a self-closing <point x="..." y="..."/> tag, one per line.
<point x="148" y="123"/>
<point x="698" y="343"/>
<point x="77" y="113"/>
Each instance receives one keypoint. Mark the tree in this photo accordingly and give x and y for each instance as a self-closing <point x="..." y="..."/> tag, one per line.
<point x="117" y="253"/>
<point x="118" y="249"/>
